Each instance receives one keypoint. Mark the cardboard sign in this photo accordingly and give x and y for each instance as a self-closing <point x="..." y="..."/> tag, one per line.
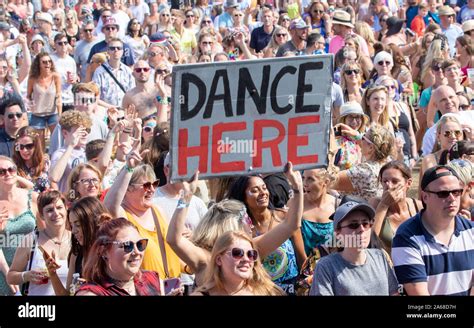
<point x="249" y="117"/>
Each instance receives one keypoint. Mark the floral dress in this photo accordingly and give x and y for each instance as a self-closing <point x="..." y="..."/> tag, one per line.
<point x="41" y="183"/>
<point x="364" y="179"/>
<point x="350" y="152"/>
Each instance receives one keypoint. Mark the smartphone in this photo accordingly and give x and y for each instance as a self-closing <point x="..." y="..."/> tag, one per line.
<point x="170" y="284"/>
<point x="338" y="131"/>
<point x="409" y="32"/>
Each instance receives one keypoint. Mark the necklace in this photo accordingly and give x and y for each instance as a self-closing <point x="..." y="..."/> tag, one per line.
<point x="55" y="241"/>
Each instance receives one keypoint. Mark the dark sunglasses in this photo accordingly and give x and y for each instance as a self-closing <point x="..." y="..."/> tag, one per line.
<point x="110" y="28"/>
<point x="61" y="43"/>
<point x="280" y="35"/>
<point x="445" y="193"/>
<point x="29" y="146"/>
<point x="86" y="100"/>
<point x="115" y="48"/>
<point x="188" y="16"/>
<point x="456" y="133"/>
<point x="153" y="54"/>
<point x="318" y="11"/>
<point x="147" y="128"/>
<point x="120" y="118"/>
<point x="167" y="15"/>
<point x="44" y="62"/>
<point x="12" y="115"/>
<point x="128" y="246"/>
<point x="356" y="225"/>
<point x="436" y="68"/>
<point x="88" y="30"/>
<point x="162" y="71"/>
<point x="238" y="253"/>
<point x="206" y="22"/>
<point x="142" y="69"/>
<point x="11" y="170"/>
<point x="352" y="71"/>
<point x="383" y="62"/>
<point x="148" y="185"/>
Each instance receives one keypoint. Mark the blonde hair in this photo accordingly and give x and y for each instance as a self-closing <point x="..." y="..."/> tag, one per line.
<point x="365" y="31"/>
<point x="350" y="65"/>
<point x="383" y="141"/>
<point x="384" y="118"/>
<point x="142" y="170"/>
<point x="72" y="193"/>
<point x="260" y="282"/>
<point x="227" y="215"/>
<point x="441" y="123"/>
<point x="434" y="51"/>
<point x="74" y="118"/>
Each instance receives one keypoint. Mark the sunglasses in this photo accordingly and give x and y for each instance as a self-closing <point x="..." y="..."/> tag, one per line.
<point x="147" y="185"/>
<point x="45" y="62"/>
<point x="382" y="62"/>
<point x="110" y="28"/>
<point x="88" y="30"/>
<point x="162" y="71"/>
<point x="12" y="115"/>
<point x="206" y="22"/>
<point x="86" y="100"/>
<point x="464" y="107"/>
<point x="238" y="15"/>
<point x="61" y="43"/>
<point x="286" y="19"/>
<point x="280" y="35"/>
<point x="318" y="11"/>
<point x="90" y="181"/>
<point x="115" y="48"/>
<point x="128" y="246"/>
<point x="11" y="170"/>
<point x="238" y="253"/>
<point x="356" y="225"/>
<point x="29" y="146"/>
<point x="207" y="43"/>
<point x="189" y="16"/>
<point x="120" y="118"/>
<point x="445" y="193"/>
<point x="167" y="15"/>
<point x="142" y="69"/>
<point x="352" y="71"/>
<point x="148" y="128"/>
<point x="153" y="54"/>
<point x="436" y="68"/>
<point x="456" y="133"/>
<point x="392" y="87"/>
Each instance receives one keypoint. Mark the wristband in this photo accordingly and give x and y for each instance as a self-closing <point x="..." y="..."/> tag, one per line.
<point x="163" y="100"/>
<point x="182" y="204"/>
<point x="129" y="169"/>
<point x="23" y="277"/>
<point x="357" y="137"/>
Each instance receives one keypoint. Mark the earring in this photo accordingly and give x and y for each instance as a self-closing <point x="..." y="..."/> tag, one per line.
<point x="104" y="257"/>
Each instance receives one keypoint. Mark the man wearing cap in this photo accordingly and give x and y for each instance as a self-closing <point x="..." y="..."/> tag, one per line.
<point x="37" y="45"/>
<point x="226" y="18"/>
<point x="83" y="48"/>
<point x="262" y="35"/>
<point x="452" y="31"/>
<point x="299" y="34"/>
<point x="447" y="102"/>
<point x="432" y="251"/>
<point x="110" y="30"/>
<point x="114" y="78"/>
<point x="342" y="26"/>
<point x="357" y="269"/>
<point x="468" y="28"/>
<point x="466" y="12"/>
<point x="45" y="27"/>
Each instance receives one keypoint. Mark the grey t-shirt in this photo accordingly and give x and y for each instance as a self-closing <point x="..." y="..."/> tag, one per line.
<point x="333" y="275"/>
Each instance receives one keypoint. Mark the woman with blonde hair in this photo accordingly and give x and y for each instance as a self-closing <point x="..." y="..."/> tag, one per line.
<point x="279" y="37"/>
<point x="374" y="104"/>
<point x="439" y="48"/>
<point x="352" y="41"/>
<point x="235" y="269"/>
<point x="351" y="82"/>
<point x="85" y="180"/>
<point x="365" y="31"/>
<point x="361" y="180"/>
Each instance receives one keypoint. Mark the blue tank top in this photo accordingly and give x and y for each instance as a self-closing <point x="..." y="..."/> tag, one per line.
<point x="315" y="234"/>
<point x="281" y="264"/>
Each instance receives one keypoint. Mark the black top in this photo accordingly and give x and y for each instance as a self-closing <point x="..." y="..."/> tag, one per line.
<point x="6" y="143"/>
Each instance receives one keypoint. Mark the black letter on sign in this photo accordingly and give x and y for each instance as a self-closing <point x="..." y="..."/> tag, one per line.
<point x="246" y="83"/>
<point x="187" y="78"/>
<point x="222" y="73"/>
<point x="302" y="88"/>
<point x="277" y="109"/>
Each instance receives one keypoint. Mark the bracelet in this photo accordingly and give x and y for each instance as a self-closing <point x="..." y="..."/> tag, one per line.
<point x="129" y="169"/>
<point x="163" y="100"/>
<point x="128" y="131"/>
<point x="296" y="191"/>
<point x="357" y="137"/>
<point x="182" y="204"/>
<point x="23" y="277"/>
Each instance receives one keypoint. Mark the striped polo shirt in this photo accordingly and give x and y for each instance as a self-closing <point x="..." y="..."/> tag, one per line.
<point x="418" y="257"/>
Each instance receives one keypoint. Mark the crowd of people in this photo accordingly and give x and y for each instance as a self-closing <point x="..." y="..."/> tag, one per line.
<point x="87" y="206"/>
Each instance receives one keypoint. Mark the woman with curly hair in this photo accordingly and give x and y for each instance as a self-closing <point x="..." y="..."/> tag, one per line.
<point x="235" y="269"/>
<point x="32" y="163"/>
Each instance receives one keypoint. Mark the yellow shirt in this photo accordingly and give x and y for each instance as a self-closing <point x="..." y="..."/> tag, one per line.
<point x="152" y="259"/>
<point x="293" y="11"/>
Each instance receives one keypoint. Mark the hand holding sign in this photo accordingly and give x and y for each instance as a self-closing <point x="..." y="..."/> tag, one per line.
<point x="294" y="177"/>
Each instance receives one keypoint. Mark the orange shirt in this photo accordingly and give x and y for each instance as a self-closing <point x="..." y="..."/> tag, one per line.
<point x="418" y="25"/>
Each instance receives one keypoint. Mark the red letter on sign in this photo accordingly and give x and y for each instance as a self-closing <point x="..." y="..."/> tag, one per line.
<point x="258" y="127"/>
<point x="184" y="151"/>
<point x="294" y="141"/>
<point x="216" y="165"/>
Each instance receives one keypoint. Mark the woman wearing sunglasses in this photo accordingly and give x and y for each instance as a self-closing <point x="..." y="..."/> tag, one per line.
<point x="29" y="265"/>
<point x="317" y="18"/>
<point x="394" y="207"/>
<point x="131" y="196"/>
<point x="113" y="268"/>
<point x="136" y="39"/>
<point x="32" y="163"/>
<point x="235" y="269"/>
<point x="465" y="171"/>
<point x="85" y="180"/>
<point x="448" y="132"/>
<point x="351" y="82"/>
<point x="356" y="270"/>
<point x="279" y="37"/>
<point x="17" y="217"/>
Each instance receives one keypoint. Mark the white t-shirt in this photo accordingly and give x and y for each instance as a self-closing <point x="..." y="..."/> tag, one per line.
<point x="122" y="20"/>
<point x="63" y="66"/>
<point x="140" y="11"/>
<point x="78" y="156"/>
<point x="429" y="140"/>
<point x="197" y="208"/>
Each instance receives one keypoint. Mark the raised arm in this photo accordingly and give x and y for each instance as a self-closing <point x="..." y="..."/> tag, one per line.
<point x="106" y="153"/>
<point x="195" y="257"/>
<point x="26" y="64"/>
<point x="271" y="240"/>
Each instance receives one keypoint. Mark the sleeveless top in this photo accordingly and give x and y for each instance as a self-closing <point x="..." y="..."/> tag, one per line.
<point x="45" y="100"/>
<point x="403" y="125"/>
<point x="15" y="230"/>
<point x="148" y="284"/>
<point x="152" y="259"/>
<point x="46" y="289"/>
<point x="387" y="233"/>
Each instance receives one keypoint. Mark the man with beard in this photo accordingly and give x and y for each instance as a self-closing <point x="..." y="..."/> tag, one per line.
<point x="432" y="252"/>
<point x="144" y="94"/>
<point x="297" y="44"/>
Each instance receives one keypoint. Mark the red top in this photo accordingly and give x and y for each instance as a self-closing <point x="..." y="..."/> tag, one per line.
<point x="418" y="25"/>
<point x="148" y="284"/>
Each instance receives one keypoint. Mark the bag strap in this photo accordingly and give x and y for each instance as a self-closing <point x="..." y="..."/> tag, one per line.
<point x="161" y="243"/>
<point x="26" y="286"/>
<point x="113" y="77"/>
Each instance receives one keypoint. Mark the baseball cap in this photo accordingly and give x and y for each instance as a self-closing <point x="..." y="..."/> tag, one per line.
<point x="298" y="24"/>
<point x="345" y="209"/>
<point x="432" y="174"/>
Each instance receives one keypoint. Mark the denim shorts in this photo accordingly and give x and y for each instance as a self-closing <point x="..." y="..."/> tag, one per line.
<point x="42" y="122"/>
